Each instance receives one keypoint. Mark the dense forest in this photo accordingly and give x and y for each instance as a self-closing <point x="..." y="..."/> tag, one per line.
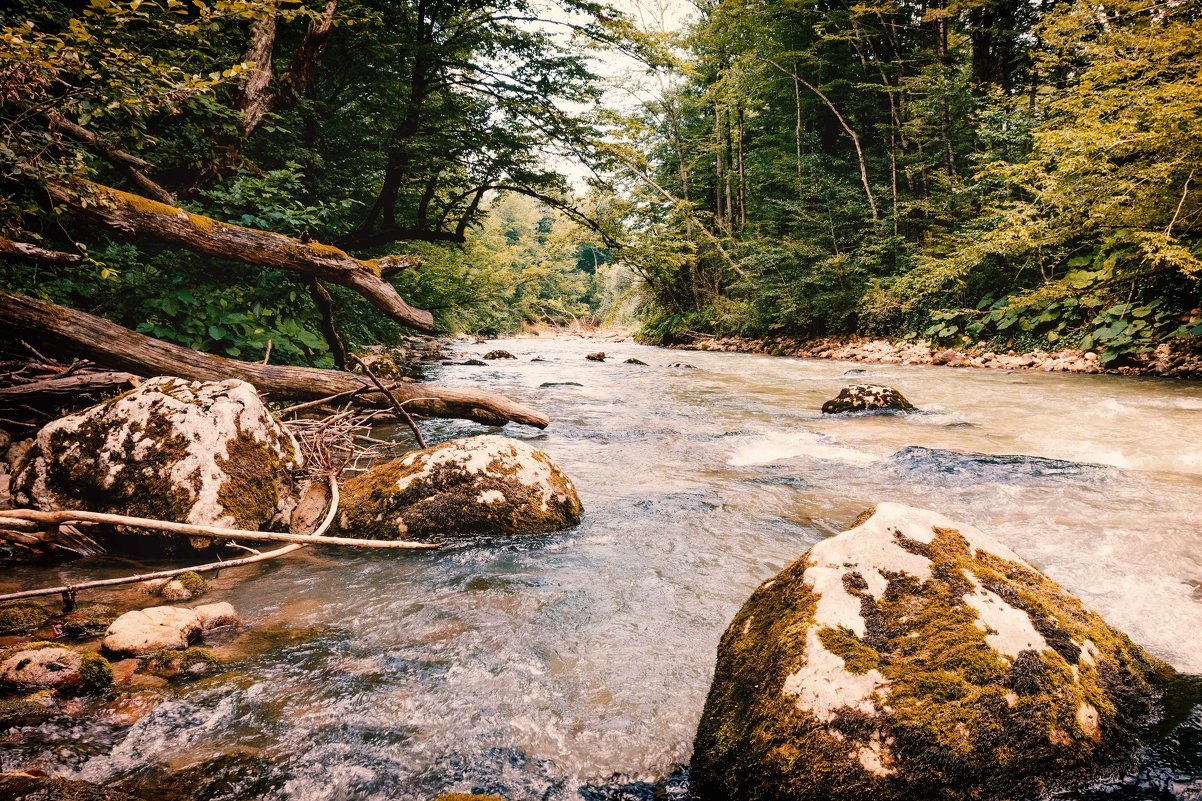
<point x="987" y="170"/>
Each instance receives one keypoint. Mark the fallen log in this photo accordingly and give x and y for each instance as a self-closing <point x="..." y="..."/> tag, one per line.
<point x="67" y="386"/>
<point x="137" y="216"/>
<point x="106" y="343"/>
<point x="28" y="252"/>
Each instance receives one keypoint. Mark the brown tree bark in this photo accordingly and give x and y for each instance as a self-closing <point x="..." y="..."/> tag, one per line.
<point x="28" y="252"/>
<point x="114" y="346"/>
<point x="137" y="216"/>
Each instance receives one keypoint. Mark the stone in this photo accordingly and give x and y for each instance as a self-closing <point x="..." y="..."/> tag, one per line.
<point x="499" y="354"/>
<point x="144" y="631"/>
<point x="206" y="453"/>
<point x="89" y="620"/>
<point x="682" y="365"/>
<point x="18" y="617"/>
<point x="213" y="615"/>
<point x="16" y="453"/>
<point x="485" y="485"/>
<point x="48" y="665"/>
<point x="183" y="587"/>
<point x="599" y="356"/>
<point x="25" y="787"/>
<point x="633" y="360"/>
<point x="913" y="657"/>
<point x="867" y="398"/>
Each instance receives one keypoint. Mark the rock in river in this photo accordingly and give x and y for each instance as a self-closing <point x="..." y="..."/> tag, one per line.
<point x="486" y="485"/>
<point x="44" y="664"/>
<point x="913" y="657"/>
<point x="203" y="453"/>
<point x="144" y="631"/>
<point x="867" y="398"/>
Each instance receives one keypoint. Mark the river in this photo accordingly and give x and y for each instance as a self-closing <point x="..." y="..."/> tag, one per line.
<point x="576" y="664"/>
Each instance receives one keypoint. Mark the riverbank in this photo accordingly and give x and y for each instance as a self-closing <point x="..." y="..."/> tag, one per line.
<point x="1164" y="361"/>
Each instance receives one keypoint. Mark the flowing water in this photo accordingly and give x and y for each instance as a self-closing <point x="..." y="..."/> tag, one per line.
<point x="575" y="665"/>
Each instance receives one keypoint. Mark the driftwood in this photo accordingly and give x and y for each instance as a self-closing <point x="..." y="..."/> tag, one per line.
<point x="56" y="517"/>
<point x="136" y="216"/>
<point x="119" y="348"/>
<point x="67" y="386"/>
<point x="69" y="591"/>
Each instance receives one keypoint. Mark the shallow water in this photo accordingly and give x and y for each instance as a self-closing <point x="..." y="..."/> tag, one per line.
<point x="575" y="665"/>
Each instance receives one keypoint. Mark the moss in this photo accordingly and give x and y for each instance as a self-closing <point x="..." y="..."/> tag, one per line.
<point x="170" y="662"/>
<point x="192" y="582"/>
<point x="31" y="646"/>
<point x="22" y="616"/>
<point x="95" y="672"/>
<point x="90" y="620"/>
<point x="251" y="491"/>
<point x="842" y="642"/>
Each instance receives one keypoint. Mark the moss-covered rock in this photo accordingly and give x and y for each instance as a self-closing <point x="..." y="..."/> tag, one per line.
<point x="183" y="587"/>
<point x="486" y="485"/>
<point x="172" y="663"/>
<point x="18" y="617"/>
<point x="493" y="355"/>
<point x="45" y="664"/>
<point x="915" y="658"/>
<point x="206" y="453"/>
<point x="90" y="620"/>
<point x="867" y="398"/>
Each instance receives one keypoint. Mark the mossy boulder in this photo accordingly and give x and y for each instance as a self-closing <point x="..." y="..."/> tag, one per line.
<point x="17" y="617"/>
<point x="916" y="658"/>
<point x="493" y="355"/>
<point x="486" y="485"/>
<point x="206" y="453"/>
<point x="172" y="663"/>
<point x="48" y="665"/>
<point x="867" y="398"/>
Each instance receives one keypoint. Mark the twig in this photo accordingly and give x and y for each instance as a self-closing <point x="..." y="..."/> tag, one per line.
<point x="35" y="352"/>
<point x="1169" y="231"/>
<point x="267" y="353"/>
<point x="217" y="532"/>
<point x="300" y="407"/>
<point x="71" y="589"/>
<point x="421" y="442"/>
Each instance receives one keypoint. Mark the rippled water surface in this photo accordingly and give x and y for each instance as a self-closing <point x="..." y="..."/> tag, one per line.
<point x="575" y="665"/>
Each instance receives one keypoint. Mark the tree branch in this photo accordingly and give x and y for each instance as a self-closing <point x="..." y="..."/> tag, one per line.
<point x="139" y="217"/>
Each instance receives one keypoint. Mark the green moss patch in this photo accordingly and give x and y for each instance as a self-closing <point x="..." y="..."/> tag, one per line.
<point x="19" y="617"/>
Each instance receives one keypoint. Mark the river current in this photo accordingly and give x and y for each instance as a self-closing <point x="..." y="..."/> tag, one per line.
<point x="575" y="665"/>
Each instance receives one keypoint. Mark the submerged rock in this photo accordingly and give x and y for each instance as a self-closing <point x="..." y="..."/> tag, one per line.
<point x="24" y="787"/>
<point x="89" y="620"/>
<point x="499" y="354"/>
<point x="633" y="360"/>
<point x="599" y="356"/>
<point x="206" y="453"/>
<point x="951" y="466"/>
<point x="867" y="398"/>
<point x="164" y="628"/>
<point x="183" y="587"/>
<point x="45" y="664"/>
<point x="486" y="485"/>
<point x="683" y="365"/>
<point x="915" y="658"/>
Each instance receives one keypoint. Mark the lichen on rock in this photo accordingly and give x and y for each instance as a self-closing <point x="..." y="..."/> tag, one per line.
<point x="913" y="658"/>
<point x="486" y="485"/>
<point x="867" y="398"/>
<point x="206" y="453"/>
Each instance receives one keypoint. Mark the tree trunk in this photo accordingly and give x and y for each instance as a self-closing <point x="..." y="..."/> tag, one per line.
<point x="139" y="217"/>
<point x="109" y="344"/>
<point x="256" y="95"/>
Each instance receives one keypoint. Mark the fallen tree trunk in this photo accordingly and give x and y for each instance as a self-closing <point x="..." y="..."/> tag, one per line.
<point x="27" y="252"/>
<point x="137" y="216"/>
<point x="111" y="345"/>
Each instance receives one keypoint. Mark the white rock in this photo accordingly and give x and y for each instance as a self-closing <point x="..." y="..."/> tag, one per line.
<point x="213" y="615"/>
<point x="144" y="631"/>
<point x="42" y="667"/>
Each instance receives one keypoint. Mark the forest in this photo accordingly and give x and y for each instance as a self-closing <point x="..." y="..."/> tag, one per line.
<point x="993" y="171"/>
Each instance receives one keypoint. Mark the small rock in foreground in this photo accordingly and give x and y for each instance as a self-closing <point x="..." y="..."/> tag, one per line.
<point x="867" y="398"/>
<point x="45" y="664"/>
<point x="485" y="485"/>
<point x="911" y="658"/>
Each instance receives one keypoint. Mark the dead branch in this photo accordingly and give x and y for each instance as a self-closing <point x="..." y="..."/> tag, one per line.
<point x="27" y="252"/>
<point x="137" y="216"/>
<point x="400" y="410"/>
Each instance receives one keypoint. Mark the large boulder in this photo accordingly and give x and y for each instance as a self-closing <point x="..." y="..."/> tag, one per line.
<point x="190" y="452"/>
<point x="473" y="486"/>
<point x="45" y="664"/>
<point x="867" y="398"/>
<point x="913" y="657"/>
<point x="171" y="628"/>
